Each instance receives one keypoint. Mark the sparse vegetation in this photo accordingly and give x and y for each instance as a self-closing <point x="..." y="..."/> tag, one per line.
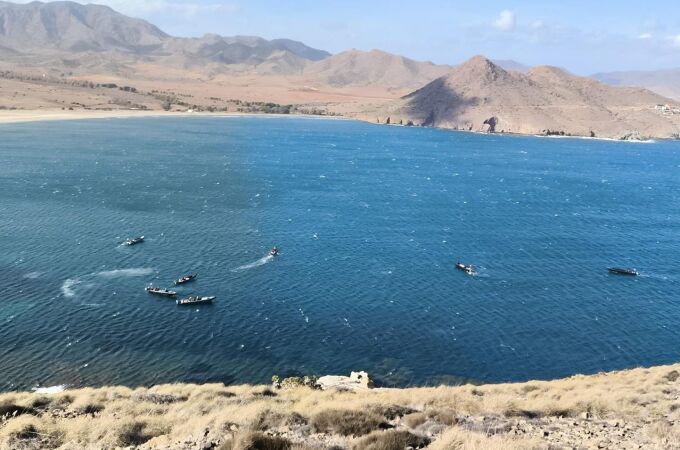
<point x="347" y="422"/>
<point x="391" y="440"/>
<point x="639" y="406"/>
<point x="256" y="441"/>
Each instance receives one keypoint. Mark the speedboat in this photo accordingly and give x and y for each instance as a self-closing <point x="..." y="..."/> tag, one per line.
<point x="159" y="291"/>
<point x="623" y="271"/>
<point x="465" y="268"/>
<point x="195" y="300"/>
<point x="134" y="241"/>
<point x="274" y="251"/>
<point x="186" y="279"/>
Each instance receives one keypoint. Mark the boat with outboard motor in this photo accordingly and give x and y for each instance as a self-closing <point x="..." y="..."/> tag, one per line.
<point x="465" y="268"/>
<point x="160" y="291"/>
<point x="134" y="241"/>
<point x="186" y="279"/>
<point x="274" y="251"/>
<point x="195" y="300"/>
<point x="623" y="271"/>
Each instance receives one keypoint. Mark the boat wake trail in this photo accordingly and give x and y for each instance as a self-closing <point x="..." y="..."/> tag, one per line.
<point x="70" y="286"/>
<point x="258" y="263"/>
<point x="118" y="273"/>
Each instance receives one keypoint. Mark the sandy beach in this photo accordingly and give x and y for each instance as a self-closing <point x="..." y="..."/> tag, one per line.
<point x="20" y="116"/>
<point x="24" y="116"/>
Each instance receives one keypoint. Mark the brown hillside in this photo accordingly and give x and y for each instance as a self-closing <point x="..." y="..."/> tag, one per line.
<point x="481" y="96"/>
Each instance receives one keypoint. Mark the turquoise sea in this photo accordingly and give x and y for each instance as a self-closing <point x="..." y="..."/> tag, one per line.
<point x="370" y="221"/>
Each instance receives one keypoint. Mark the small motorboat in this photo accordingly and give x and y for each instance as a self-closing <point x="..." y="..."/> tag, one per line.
<point x="186" y="279"/>
<point x="623" y="271"/>
<point x="274" y="251"/>
<point x="465" y="268"/>
<point x="195" y="300"/>
<point x="134" y="241"/>
<point x="160" y="291"/>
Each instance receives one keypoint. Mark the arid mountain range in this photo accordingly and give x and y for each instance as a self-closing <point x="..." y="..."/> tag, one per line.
<point x="664" y="82"/>
<point x="64" y="55"/>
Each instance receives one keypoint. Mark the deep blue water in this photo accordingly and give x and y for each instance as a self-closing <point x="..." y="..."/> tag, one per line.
<point x="370" y="221"/>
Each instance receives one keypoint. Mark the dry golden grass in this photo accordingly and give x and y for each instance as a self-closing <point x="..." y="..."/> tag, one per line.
<point x="165" y="416"/>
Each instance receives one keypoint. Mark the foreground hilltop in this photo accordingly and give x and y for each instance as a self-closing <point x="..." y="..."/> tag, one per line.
<point x="622" y="410"/>
<point x="481" y="96"/>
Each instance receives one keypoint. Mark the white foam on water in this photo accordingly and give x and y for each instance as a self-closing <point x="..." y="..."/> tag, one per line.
<point x="50" y="390"/>
<point x="67" y="287"/>
<point x="258" y="263"/>
<point x="134" y="272"/>
<point x="33" y="275"/>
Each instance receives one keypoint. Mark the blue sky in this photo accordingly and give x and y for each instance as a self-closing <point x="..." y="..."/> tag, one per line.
<point x="582" y="36"/>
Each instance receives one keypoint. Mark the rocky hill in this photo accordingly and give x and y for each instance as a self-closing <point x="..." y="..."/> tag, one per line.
<point x="481" y="96"/>
<point x="96" y="38"/>
<point x="355" y="67"/>
<point x="67" y="27"/>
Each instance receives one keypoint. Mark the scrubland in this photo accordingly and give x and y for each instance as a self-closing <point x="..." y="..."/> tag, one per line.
<point x="638" y="408"/>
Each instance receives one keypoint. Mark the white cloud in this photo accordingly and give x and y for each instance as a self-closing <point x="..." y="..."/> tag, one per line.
<point x="676" y="40"/>
<point x="537" y="24"/>
<point x="505" y="21"/>
<point x="645" y="36"/>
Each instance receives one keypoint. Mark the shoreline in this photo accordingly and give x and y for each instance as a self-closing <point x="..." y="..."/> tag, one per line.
<point x="534" y="135"/>
<point x="470" y="382"/>
<point x="35" y="116"/>
<point x="32" y="116"/>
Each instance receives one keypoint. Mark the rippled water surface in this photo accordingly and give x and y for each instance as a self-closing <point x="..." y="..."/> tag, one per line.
<point x="370" y="221"/>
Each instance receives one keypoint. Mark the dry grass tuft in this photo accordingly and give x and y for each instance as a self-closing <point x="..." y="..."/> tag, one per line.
<point x="269" y="420"/>
<point x="665" y="435"/>
<point x="457" y="439"/>
<point x="256" y="441"/>
<point x="12" y="410"/>
<point x="391" y="440"/>
<point x="347" y="422"/>
<point x="137" y="432"/>
<point x="445" y="417"/>
<point x="40" y="403"/>
<point x="672" y="376"/>
<point x="265" y="393"/>
<point x="159" y="399"/>
<point x="29" y="432"/>
<point x="90" y="408"/>
<point x="391" y="412"/>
